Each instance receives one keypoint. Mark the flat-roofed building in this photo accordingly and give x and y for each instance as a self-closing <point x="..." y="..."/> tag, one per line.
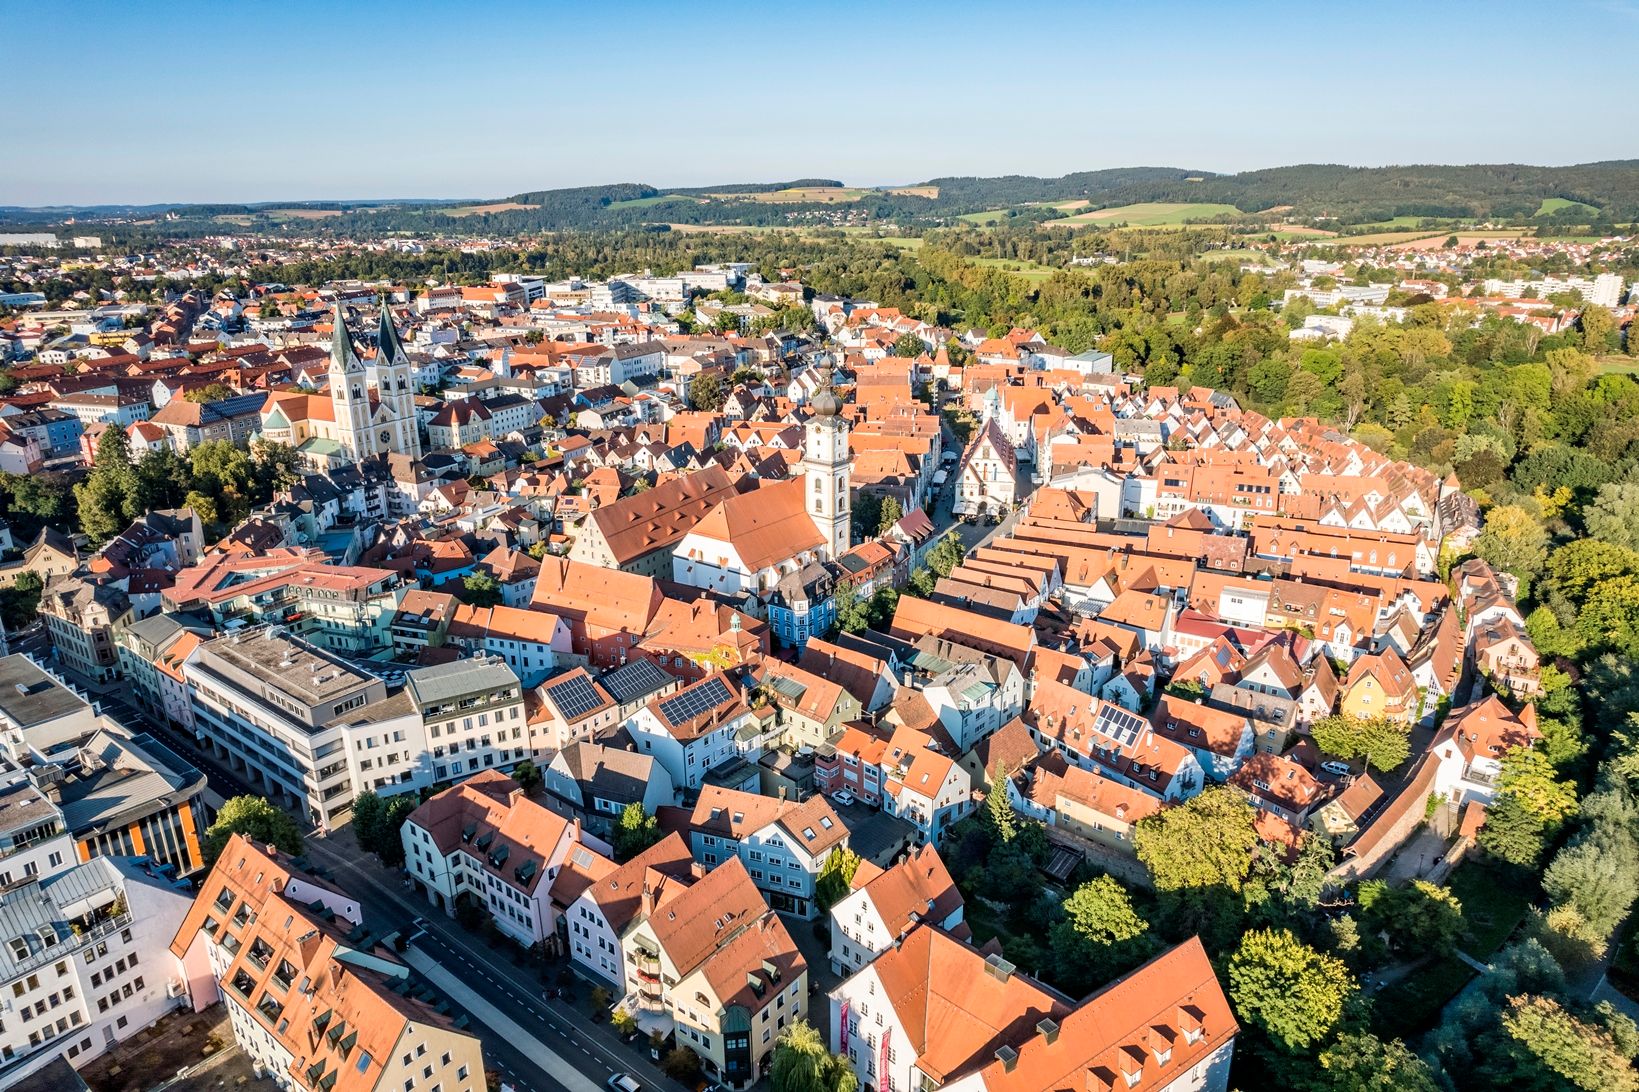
<point x="84" y="962"/>
<point x="38" y="711"/>
<point x="472" y="715"/>
<point x="285" y="715"/>
<point x="124" y="795"/>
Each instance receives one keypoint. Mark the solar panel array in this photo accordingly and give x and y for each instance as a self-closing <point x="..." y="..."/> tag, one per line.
<point x="789" y="688"/>
<point x="636" y="679"/>
<point x="1119" y="724"/>
<point x="575" y="697"/>
<point x="697" y="699"/>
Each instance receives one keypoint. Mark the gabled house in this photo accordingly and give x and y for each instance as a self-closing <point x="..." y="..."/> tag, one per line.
<point x="884" y="905"/>
<point x="1469" y="749"/>
<point x="785" y="845"/>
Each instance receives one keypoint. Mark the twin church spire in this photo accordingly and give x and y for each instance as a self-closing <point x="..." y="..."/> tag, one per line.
<point x="390" y="426"/>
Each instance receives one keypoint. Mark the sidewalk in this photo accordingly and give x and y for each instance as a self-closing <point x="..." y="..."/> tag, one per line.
<point x="542" y="1055"/>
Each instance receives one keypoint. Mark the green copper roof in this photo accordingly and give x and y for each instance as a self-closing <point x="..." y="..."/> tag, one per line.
<point x="342" y="357"/>
<point x="388" y="348"/>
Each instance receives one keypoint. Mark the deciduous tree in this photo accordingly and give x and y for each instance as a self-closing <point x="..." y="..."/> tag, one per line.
<point x="1514" y="541"/>
<point x="1529" y="777"/>
<point x="1383" y="742"/>
<point x="256" y="819"/>
<point x="1285" y="988"/>
<point x="1204" y="842"/>
<point x="802" y="1064"/>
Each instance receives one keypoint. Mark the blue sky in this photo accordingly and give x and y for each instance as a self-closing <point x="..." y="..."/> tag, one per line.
<point x="155" y="100"/>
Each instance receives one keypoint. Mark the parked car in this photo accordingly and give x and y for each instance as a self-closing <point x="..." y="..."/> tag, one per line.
<point x="1335" y="768"/>
<point x="844" y="797"/>
<point x="622" y="1082"/>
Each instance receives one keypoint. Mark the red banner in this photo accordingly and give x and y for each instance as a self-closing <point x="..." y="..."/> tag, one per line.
<point x="884" y="1081"/>
<point x="842" y="1030"/>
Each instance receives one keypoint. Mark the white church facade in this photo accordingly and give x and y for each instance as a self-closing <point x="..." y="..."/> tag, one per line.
<point x="746" y="544"/>
<point x="349" y="421"/>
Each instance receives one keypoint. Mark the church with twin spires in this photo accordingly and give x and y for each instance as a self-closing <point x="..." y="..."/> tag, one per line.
<point x="350" y="421"/>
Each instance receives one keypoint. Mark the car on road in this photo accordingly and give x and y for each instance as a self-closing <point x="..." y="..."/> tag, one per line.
<point x="844" y="797"/>
<point x="1335" y="768"/>
<point x="622" y="1082"/>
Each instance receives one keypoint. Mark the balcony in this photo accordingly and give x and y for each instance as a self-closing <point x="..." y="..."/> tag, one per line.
<point x="243" y="985"/>
<point x="259" y="954"/>
<point x="1479" y="777"/>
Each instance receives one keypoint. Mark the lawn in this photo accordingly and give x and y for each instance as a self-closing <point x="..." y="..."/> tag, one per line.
<point x="860" y="231"/>
<point x="1150" y="214"/>
<point x="1395" y="223"/>
<point x="1551" y="205"/>
<point x="1407" y="1008"/>
<point x="984" y="219"/>
<point x="1437" y="236"/>
<point x="1028" y="270"/>
<point x="1493" y="906"/>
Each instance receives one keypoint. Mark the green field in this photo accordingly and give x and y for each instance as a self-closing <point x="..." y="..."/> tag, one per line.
<point x="1399" y="223"/>
<point x="1028" y="270"/>
<point x="646" y="202"/>
<point x="904" y="242"/>
<point x="985" y="219"/>
<point x="1551" y="205"/>
<point x="1150" y="214"/>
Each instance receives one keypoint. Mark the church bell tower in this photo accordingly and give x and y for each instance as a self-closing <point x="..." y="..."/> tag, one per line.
<point x="825" y="466"/>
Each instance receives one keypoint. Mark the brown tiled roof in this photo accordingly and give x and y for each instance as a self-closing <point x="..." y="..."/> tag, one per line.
<point x="482" y="815"/>
<point x="955" y="1006"/>
<point x="734" y="815"/>
<point x="765" y="526"/>
<point x="658" y="518"/>
<point x="693" y="922"/>
<point x="917" y="889"/>
<point x="620" y="893"/>
<point x="1114" y="1038"/>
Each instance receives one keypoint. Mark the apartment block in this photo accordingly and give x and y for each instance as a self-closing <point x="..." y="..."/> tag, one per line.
<point x="486" y="842"/>
<point x="310" y="1003"/>
<point x="84" y="962"/>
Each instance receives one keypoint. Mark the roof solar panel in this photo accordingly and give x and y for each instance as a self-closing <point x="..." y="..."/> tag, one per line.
<point x="700" y="698"/>
<point x="1119" y="724"/>
<point x="635" y="680"/>
<point x="574" y="697"/>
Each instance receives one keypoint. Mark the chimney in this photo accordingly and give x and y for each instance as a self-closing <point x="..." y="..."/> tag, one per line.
<point x="1008" y="1057"/>
<point x="1049" y="1029"/>
<point x="697" y="870"/>
<point x="647" y="902"/>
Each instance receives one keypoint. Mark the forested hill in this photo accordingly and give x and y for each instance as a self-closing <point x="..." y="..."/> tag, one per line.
<point x="1351" y="194"/>
<point x="1600" y="195"/>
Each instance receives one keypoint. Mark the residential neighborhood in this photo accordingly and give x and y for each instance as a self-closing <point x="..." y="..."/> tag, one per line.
<point x="1145" y="629"/>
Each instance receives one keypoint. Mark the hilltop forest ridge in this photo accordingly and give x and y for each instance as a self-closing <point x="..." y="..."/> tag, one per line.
<point x="1331" y="195"/>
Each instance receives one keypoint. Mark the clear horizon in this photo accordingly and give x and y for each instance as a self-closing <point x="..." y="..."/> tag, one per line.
<point x="189" y="102"/>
